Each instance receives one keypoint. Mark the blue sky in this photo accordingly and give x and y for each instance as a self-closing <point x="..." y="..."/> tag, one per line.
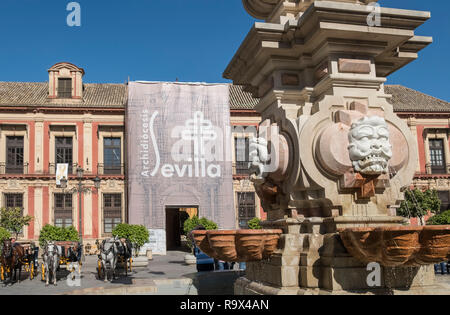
<point x="161" y="40"/>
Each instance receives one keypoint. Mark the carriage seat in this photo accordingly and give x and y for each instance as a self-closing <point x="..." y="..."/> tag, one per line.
<point x="63" y="248"/>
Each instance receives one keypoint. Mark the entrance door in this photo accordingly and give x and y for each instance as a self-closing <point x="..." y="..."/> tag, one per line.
<point x="175" y="217"/>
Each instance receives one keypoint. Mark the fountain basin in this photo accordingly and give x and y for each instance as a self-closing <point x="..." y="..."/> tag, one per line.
<point x="238" y="245"/>
<point x="399" y="245"/>
<point x="202" y="242"/>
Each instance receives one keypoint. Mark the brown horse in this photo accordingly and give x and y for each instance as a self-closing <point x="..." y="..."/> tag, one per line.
<point x="11" y="259"/>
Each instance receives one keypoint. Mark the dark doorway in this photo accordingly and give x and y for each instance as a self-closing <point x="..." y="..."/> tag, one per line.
<point x="175" y="218"/>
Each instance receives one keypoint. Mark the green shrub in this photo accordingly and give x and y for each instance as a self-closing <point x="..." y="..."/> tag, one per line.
<point x="255" y="224"/>
<point x="417" y="203"/>
<point x="4" y="234"/>
<point x="193" y="222"/>
<point x="440" y="219"/>
<point x="13" y="220"/>
<point x="54" y="233"/>
<point x="137" y="234"/>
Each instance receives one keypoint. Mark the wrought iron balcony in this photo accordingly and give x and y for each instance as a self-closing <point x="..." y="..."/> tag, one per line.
<point x="6" y="169"/>
<point x="437" y="170"/>
<point x="241" y="168"/>
<point x="105" y="169"/>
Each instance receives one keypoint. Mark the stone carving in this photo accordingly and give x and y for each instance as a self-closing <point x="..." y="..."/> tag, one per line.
<point x="13" y="183"/>
<point x="370" y="149"/>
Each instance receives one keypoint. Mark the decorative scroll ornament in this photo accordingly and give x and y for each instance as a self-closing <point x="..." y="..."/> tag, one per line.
<point x="370" y="149"/>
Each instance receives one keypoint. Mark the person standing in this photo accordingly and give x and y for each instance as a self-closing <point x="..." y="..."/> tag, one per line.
<point x="443" y="266"/>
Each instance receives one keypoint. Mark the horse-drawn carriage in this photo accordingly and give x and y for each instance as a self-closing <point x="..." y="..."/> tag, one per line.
<point x="15" y="255"/>
<point x="59" y="253"/>
<point x="30" y="259"/>
<point x="113" y="252"/>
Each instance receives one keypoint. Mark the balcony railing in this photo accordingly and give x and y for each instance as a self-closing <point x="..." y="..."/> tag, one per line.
<point x="104" y="169"/>
<point x="433" y="170"/>
<point x="13" y="169"/>
<point x="24" y="170"/>
<point x="241" y="168"/>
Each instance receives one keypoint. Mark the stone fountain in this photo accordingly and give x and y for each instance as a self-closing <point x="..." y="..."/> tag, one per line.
<point x="332" y="159"/>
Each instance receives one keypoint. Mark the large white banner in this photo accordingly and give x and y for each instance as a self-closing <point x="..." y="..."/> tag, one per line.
<point x="62" y="171"/>
<point x="179" y="152"/>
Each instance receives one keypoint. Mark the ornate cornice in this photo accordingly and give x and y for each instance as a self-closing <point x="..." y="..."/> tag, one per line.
<point x="66" y="65"/>
<point x="264" y="9"/>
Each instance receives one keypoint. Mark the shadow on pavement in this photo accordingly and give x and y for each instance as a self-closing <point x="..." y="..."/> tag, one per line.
<point x="125" y="281"/>
<point x="179" y="262"/>
<point x="157" y="272"/>
<point x="215" y="282"/>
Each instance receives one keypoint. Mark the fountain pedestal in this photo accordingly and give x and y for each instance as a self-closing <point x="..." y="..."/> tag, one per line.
<point x="316" y="262"/>
<point x="339" y="156"/>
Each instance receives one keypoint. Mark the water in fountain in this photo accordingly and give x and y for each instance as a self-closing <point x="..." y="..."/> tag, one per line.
<point x="389" y="274"/>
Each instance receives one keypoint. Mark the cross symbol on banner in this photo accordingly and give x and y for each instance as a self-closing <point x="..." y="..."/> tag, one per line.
<point x="199" y="130"/>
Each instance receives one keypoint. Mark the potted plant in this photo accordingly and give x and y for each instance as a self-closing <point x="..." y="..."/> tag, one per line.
<point x="137" y="234"/>
<point x="255" y="224"/>
<point x="54" y="233"/>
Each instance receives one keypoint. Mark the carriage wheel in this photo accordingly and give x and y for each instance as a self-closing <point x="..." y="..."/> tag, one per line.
<point x="42" y="272"/>
<point x="100" y="270"/>
<point x="2" y="273"/>
<point x="31" y="271"/>
<point x="131" y="263"/>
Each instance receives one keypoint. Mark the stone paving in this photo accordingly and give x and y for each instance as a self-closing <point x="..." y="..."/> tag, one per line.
<point x="443" y="279"/>
<point x="167" y="275"/>
<point x="171" y="266"/>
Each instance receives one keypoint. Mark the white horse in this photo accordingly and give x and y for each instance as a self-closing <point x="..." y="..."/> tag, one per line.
<point x="109" y="253"/>
<point x="51" y="262"/>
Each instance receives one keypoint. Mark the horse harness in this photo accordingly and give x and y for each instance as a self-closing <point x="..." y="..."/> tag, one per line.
<point x="106" y="253"/>
<point x="13" y="252"/>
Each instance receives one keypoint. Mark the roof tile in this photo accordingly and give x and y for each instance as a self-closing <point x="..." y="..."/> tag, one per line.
<point x="36" y="94"/>
<point x="115" y="95"/>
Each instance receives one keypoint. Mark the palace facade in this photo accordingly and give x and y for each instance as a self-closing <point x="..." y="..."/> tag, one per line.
<point x="429" y="120"/>
<point x="63" y="121"/>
